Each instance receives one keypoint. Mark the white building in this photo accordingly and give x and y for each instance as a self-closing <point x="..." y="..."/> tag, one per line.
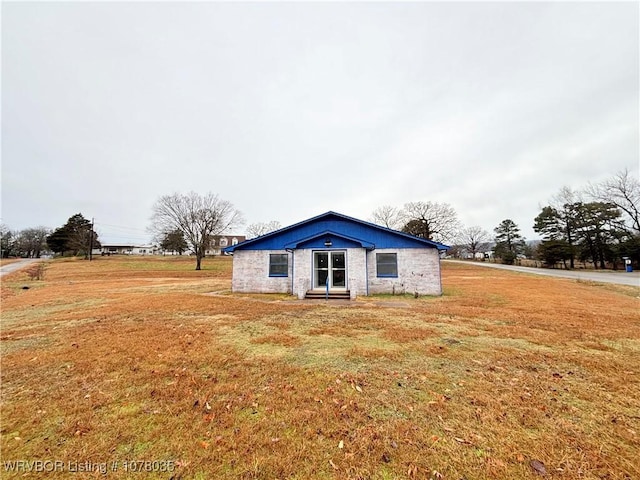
<point x="121" y="249"/>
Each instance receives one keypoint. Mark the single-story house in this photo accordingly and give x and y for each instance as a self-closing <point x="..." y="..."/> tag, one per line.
<point x="337" y="255"/>
<point x="121" y="249"/>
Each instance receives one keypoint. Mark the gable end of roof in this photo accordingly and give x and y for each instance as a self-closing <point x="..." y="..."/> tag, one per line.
<point x="326" y="216"/>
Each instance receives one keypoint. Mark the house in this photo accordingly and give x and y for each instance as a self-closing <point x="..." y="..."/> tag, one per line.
<point x="338" y="255"/>
<point x="122" y="249"/>
<point x="219" y="242"/>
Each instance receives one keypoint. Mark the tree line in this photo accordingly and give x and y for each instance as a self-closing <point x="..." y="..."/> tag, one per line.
<point x="180" y="222"/>
<point x="76" y="238"/>
<point x="599" y="224"/>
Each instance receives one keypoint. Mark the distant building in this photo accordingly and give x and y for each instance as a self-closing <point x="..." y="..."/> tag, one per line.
<point x="124" y="249"/>
<point x="220" y="242"/>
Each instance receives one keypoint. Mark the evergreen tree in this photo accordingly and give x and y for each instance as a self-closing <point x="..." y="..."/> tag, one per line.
<point x="557" y="227"/>
<point x="553" y="251"/>
<point x="74" y="237"/>
<point x="174" y="242"/>
<point x="599" y="226"/>
<point x="509" y="242"/>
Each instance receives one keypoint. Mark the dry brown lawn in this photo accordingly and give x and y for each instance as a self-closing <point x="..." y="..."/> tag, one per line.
<point x="506" y="376"/>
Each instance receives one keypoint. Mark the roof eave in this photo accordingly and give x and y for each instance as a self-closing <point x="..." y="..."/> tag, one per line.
<point x="363" y="243"/>
<point x="431" y="243"/>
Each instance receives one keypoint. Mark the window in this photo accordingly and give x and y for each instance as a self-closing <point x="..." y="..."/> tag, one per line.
<point x="234" y="241"/>
<point x="278" y="265"/>
<point x="387" y="264"/>
<point x="223" y="242"/>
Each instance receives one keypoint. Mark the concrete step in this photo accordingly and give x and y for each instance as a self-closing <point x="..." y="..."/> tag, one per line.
<point x="321" y="295"/>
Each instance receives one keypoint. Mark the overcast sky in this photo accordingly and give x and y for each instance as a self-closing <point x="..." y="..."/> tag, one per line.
<point x="289" y="110"/>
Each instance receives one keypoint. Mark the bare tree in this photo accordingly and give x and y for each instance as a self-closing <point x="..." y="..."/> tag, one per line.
<point x="431" y="220"/>
<point x="7" y="241"/>
<point x="566" y="196"/>
<point x="623" y="191"/>
<point x="262" y="228"/>
<point x="474" y="239"/>
<point x="30" y="242"/>
<point x="197" y="217"/>
<point x="387" y="216"/>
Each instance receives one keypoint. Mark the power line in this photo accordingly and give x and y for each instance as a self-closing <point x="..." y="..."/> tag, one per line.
<point x="123" y="233"/>
<point x="125" y="237"/>
<point x="121" y="227"/>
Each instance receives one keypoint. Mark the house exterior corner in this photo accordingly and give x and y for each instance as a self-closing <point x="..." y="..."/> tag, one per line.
<point x="418" y="273"/>
<point x="251" y="273"/>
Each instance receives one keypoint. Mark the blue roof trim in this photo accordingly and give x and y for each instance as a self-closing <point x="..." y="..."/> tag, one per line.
<point x="330" y="233"/>
<point x="379" y="236"/>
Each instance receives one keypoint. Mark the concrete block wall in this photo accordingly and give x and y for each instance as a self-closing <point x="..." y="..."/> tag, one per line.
<point x="356" y="272"/>
<point x="418" y="272"/>
<point x="302" y="270"/>
<point x="251" y="273"/>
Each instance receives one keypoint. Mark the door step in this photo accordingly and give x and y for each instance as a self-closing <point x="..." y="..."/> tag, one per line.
<point x="320" y="295"/>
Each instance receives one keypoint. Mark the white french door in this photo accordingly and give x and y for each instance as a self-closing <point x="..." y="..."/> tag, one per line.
<point x="330" y="267"/>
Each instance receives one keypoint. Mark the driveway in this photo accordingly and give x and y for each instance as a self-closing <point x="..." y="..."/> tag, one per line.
<point x="621" y="278"/>
<point x="12" y="267"/>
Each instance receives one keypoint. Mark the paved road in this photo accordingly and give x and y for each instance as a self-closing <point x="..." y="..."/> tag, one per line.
<point x="12" y="267"/>
<point x="621" y="278"/>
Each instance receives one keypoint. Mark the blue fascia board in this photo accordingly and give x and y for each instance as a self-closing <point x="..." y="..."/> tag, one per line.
<point x="333" y="235"/>
<point x="377" y="235"/>
<point x="251" y="241"/>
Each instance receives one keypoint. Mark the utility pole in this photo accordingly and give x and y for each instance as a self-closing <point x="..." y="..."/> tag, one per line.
<point x="93" y="221"/>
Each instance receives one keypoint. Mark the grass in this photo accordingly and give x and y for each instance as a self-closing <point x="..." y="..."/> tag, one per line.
<point x="145" y="359"/>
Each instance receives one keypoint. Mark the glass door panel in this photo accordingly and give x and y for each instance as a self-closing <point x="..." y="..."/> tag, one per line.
<point x="320" y="269"/>
<point x="338" y="270"/>
<point x="330" y="267"/>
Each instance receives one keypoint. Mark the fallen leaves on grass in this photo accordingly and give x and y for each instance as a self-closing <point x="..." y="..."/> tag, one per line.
<point x="387" y="393"/>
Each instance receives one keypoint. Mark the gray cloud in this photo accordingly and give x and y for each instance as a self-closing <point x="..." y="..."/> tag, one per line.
<point x="291" y="109"/>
